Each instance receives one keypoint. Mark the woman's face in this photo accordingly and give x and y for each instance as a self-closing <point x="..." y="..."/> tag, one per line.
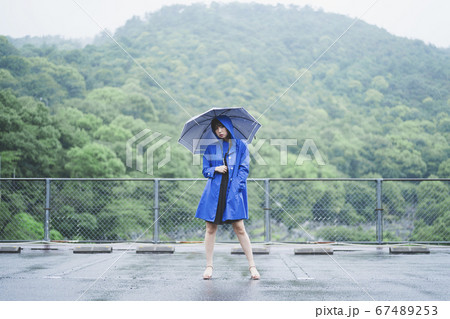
<point x="221" y="131"/>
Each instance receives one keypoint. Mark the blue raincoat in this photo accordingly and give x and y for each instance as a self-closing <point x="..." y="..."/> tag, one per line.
<point x="238" y="161"/>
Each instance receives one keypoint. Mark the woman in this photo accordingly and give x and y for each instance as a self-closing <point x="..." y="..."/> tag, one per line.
<point x="224" y="200"/>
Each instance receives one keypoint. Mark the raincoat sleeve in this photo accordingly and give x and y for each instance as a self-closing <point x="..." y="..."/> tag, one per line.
<point x="208" y="168"/>
<point x="243" y="168"/>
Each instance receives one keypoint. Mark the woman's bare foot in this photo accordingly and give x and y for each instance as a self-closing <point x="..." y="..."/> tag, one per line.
<point x="208" y="272"/>
<point x="254" y="273"/>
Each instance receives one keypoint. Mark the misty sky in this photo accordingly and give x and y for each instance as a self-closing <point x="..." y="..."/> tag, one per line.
<point x="426" y="20"/>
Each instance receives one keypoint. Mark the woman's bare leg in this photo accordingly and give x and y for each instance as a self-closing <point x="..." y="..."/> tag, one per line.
<point x="244" y="240"/>
<point x="210" y="238"/>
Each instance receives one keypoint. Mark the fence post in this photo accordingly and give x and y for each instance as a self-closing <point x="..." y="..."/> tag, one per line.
<point x="156" y="210"/>
<point x="379" y="210"/>
<point x="267" y="211"/>
<point x="47" y="210"/>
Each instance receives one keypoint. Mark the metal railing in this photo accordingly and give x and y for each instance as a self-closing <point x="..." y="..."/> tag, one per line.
<point x="281" y="210"/>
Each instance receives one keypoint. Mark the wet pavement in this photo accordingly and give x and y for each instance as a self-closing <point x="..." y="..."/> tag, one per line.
<point x="352" y="273"/>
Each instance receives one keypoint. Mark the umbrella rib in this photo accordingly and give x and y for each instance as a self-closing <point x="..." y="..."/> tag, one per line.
<point x="209" y="119"/>
<point x="213" y="113"/>
<point x="232" y="117"/>
<point x="202" y="134"/>
<point x="198" y="123"/>
<point x="222" y="112"/>
<point x="246" y="119"/>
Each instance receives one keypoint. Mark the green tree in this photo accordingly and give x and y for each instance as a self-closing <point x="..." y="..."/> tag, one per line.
<point x="433" y="200"/>
<point x="373" y="97"/>
<point x="28" y="134"/>
<point x="7" y="48"/>
<point x="7" y="80"/>
<point x="444" y="169"/>
<point x="380" y="83"/>
<point x="93" y="160"/>
<point x="438" y="231"/>
<point x="399" y="159"/>
<point x="24" y="227"/>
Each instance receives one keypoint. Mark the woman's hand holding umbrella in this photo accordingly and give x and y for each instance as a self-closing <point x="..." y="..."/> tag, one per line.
<point x="221" y="169"/>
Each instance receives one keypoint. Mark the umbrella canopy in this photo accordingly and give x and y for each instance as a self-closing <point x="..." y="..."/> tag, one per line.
<point x="199" y="128"/>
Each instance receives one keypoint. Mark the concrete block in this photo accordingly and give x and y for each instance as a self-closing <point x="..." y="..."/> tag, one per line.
<point x="44" y="248"/>
<point x="92" y="250"/>
<point x="256" y="251"/>
<point x="314" y="251"/>
<point x="155" y="250"/>
<point x="409" y="250"/>
<point x="10" y="250"/>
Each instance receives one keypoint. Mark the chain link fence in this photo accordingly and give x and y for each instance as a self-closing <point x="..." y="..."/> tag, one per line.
<point x="281" y="210"/>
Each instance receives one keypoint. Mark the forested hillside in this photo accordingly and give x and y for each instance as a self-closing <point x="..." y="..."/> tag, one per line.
<point x="374" y="104"/>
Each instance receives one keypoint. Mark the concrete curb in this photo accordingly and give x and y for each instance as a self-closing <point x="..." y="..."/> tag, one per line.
<point x="155" y="250"/>
<point x="93" y="250"/>
<point x="409" y="250"/>
<point x="314" y="251"/>
<point x="10" y="250"/>
<point x="256" y="251"/>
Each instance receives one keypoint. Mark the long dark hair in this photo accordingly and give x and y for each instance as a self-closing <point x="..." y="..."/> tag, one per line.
<point x="215" y="123"/>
